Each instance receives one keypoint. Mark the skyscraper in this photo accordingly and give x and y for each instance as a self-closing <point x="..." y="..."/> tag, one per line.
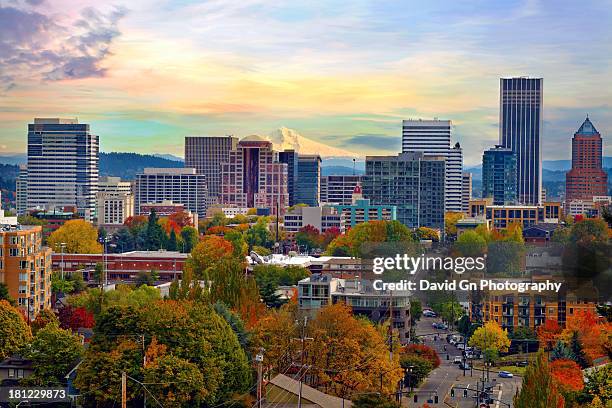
<point x="499" y="175"/>
<point x="338" y="189"/>
<point x="179" y="185"/>
<point x="520" y="126"/>
<point x="290" y="158"/>
<point x="309" y="180"/>
<point x="466" y="191"/>
<point x="21" y="189"/>
<point x="412" y="182"/>
<point x="253" y="177"/>
<point x="205" y="154"/>
<point x="62" y="165"/>
<point x="433" y="138"/>
<point x="586" y="178"/>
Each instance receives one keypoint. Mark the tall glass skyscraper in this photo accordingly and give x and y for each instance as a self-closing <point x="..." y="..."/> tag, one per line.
<point x="63" y="159"/>
<point x="309" y="180"/>
<point x="499" y="175"/>
<point x="520" y="127"/>
<point x="290" y="157"/>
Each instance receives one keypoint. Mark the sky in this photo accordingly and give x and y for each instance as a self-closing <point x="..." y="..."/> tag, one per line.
<point x="145" y="74"/>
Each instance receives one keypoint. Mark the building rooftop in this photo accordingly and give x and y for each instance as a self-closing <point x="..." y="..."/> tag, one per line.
<point x="169" y="170"/>
<point x="56" y="121"/>
<point x="587" y="128"/>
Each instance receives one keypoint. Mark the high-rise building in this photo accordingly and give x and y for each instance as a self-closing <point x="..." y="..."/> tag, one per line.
<point x="115" y="202"/>
<point x="338" y="189"/>
<point x="520" y="126"/>
<point x="205" y="154"/>
<point x="290" y="158"/>
<point x="466" y="191"/>
<point x="309" y="180"/>
<point x="180" y="185"/>
<point x="433" y="138"/>
<point x="62" y="165"/>
<point x="586" y="179"/>
<point x="499" y="172"/>
<point x="410" y="181"/>
<point x="22" y="190"/>
<point x="25" y="267"/>
<point x="253" y="177"/>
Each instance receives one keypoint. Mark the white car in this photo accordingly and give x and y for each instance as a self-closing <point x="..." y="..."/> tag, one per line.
<point x="458" y="360"/>
<point x="460" y="346"/>
<point x="429" y="313"/>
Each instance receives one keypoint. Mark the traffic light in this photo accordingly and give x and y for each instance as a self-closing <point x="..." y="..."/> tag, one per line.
<point x="416" y="398"/>
<point x="465" y="393"/>
<point x="435" y="399"/>
<point x="452" y="392"/>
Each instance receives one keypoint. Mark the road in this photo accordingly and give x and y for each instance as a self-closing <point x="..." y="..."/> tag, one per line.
<point x="447" y="375"/>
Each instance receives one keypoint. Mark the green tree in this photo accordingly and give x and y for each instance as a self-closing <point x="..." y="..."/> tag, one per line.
<point x="578" y="351"/>
<point x="147" y="278"/>
<point x="172" y="241"/>
<point x="176" y="382"/>
<point x="259" y="235"/>
<point x="419" y="368"/>
<point x="155" y="233"/>
<point x="490" y="336"/>
<point x="43" y="318"/>
<point x="523" y="333"/>
<point x="4" y="294"/>
<point x="59" y="285"/>
<point x="561" y="351"/>
<point x="539" y="389"/>
<point x="416" y="310"/>
<point x="471" y="244"/>
<point x="599" y="383"/>
<point x="54" y="352"/>
<point x="373" y="400"/>
<point x="189" y="237"/>
<point x="14" y="331"/>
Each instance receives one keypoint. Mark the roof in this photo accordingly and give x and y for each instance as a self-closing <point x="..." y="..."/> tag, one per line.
<point x="587" y="128"/>
<point x="317" y="397"/>
<point x="545" y="226"/>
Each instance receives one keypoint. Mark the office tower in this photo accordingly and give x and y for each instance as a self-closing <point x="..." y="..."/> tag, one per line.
<point x="21" y="189"/>
<point x="62" y="165"/>
<point x="309" y="180"/>
<point x="410" y="181"/>
<point x="205" y="154"/>
<point x="338" y="190"/>
<point x="466" y="191"/>
<point x="499" y="172"/>
<point x="115" y="202"/>
<point x="253" y="177"/>
<point x="179" y="185"/>
<point x="25" y="268"/>
<point x="290" y="158"/>
<point x="433" y="138"/>
<point x="586" y="179"/>
<point x="520" y="126"/>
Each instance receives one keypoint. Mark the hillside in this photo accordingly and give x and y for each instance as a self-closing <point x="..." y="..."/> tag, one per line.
<point x="127" y="165"/>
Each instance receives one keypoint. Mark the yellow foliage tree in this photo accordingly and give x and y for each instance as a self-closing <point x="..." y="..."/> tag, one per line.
<point x="490" y="337"/>
<point x="80" y="237"/>
<point x="450" y="222"/>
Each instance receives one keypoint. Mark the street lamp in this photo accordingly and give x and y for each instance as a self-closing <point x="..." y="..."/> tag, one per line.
<point x="62" y="247"/>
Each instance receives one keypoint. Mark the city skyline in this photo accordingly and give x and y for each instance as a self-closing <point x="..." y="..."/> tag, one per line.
<point x="134" y="74"/>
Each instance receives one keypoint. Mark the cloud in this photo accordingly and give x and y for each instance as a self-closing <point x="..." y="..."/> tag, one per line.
<point x="375" y="141"/>
<point x="36" y="47"/>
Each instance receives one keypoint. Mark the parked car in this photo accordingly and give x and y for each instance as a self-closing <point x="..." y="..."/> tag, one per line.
<point x="457" y="360"/>
<point x="429" y="313"/>
<point x="460" y="346"/>
<point x="522" y="363"/>
<point x="505" y="374"/>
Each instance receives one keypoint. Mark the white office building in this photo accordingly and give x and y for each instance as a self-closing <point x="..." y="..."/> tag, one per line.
<point x="433" y="138"/>
<point x="115" y="201"/>
<point x="338" y="189"/>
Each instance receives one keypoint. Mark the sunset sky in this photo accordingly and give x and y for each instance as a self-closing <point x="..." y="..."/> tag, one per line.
<point x="145" y="74"/>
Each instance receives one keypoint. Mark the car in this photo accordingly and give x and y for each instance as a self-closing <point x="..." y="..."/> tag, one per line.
<point x="464" y="366"/>
<point x="505" y="374"/>
<point x="429" y="313"/>
<point x="522" y="363"/>
<point x="458" y="360"/>
<point x="453" y="341"/>
<point x="460" y="346"/>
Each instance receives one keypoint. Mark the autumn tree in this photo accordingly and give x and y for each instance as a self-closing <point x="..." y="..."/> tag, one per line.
<point x="71" y="317"/>
<point x="422" y="351"/>
<point x="210" y="251"/>
<point x="490" y="337"/>
<point x="567" y="374"/>
<point x="584" y="330"/>
<point x="549" y="333"/>
<point x="471" y="244"/>
<point x="176" y="382"/>
<point x="599" y="383"/>
<point x="14" y="331"/>
<point x="5" y="295"/>
<point x="539" y="389"/>
<point x="189" y="238"/>
<point x="43" y="318"/>
<point x="53" y="352"/>
<point x="450" y="222"/>
<point x="80" y="237"/>
<point x="426" y="233"/>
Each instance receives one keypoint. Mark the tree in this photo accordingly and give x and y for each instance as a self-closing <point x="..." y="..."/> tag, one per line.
<point x="60" y="285"/>
<point x="147" y="278"/>
<point x="423" y="351"/>
<point x="74" y="318"/>
<point x="189" y="237"/>
<point x="54" y="352"/>
<point x="124" y="240"/>
<point x="471" y="244"/>
<point x="567" y="375"/>
<point x="416" y="310"/>
<point x="425" y="233"/>
<point x="155" y="233"/>
<point x="490" y="336"/>
<point x="549" y="333"/>
<point x="4" y="294"/>
<point x="450" y="222"/>
<point x="176" y="382"/>
<point x="14" y="332"/>
<point x="308" y="237"/>
<point x="523" y="333"/>
<point x="418" y="368"/>
<point x="450" y="311"/>
<point x="181" y="218"/>
<point x="259" y="234"/>
<point x="269" y="277"/>
<point x="172" y="242"/>
<point x="364" y="237"/>
<point x="539" y="389"/>
<point x="561" y="352"/>
<point x="590" y="333"/>
<point x="80" y="237"/>
<point x="210" y="251"/>
<point x="576" y="348"/>
<point x="599" y="383"/>
<point x="44" y="318"/>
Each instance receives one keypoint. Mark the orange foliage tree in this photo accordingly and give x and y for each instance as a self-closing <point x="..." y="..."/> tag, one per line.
<point x="549" y="333"/>
<point x="422" y="351"/>
<point x="591" y="332"/>
<point x="567" y="374"/>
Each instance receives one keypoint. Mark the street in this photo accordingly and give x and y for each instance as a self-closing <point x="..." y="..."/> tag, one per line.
<point x="448" y="375"/>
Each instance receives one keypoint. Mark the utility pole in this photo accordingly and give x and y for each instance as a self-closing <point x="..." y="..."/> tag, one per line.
<point x="303" y="340"/>
<point x="144" y="366"/>
<point x="123" y="389"/>
<point x="259" y="360"/>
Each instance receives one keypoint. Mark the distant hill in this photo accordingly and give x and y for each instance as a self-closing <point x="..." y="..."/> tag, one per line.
<point x="170" y="157"/>
<point x="127" y="165"/>
<point x="339" y="171"/>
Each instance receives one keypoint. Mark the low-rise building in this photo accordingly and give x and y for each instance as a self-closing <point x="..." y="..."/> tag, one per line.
<point x="540" y="233"/>
<point x="587" y="208"/>
<point x="360" y="210"/>
<point x="320" y="290"/>
<point x="228" y="211"/>
<point x="322" y="218"/>
<point x="471" y="223"/>
<point x="25" y="267"/>
<point x="501" y="216"/>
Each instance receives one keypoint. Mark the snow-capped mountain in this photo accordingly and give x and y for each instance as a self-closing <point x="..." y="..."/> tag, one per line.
<point x="285" y="138"/>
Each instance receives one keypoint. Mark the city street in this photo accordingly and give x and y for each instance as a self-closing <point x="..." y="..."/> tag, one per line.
<point x="448" y="375"/>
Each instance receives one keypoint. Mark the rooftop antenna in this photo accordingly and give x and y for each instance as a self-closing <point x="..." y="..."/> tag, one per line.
<point x="353" y="166"/>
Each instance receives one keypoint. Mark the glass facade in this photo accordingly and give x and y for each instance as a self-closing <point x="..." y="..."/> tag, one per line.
<point x="308" y="180"/>
<point x="499" y="175"/>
